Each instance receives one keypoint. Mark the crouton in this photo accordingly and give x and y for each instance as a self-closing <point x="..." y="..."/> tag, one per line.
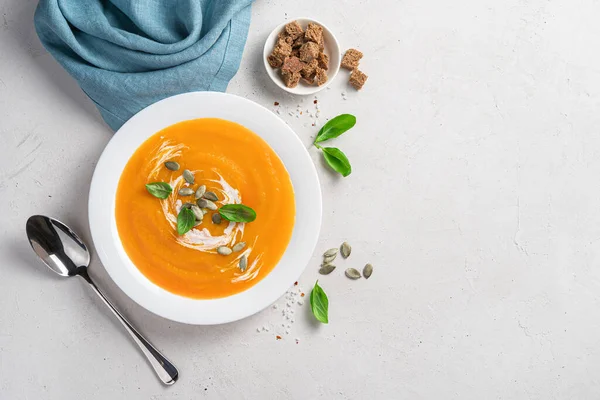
<point x="321" y="76"/>
<point x="309" y="69"/>
<point x="357" y="79"/>
<point x="274" y="61"/>
<point x="323" y="61"/>
<point x="285" y="37"/>
<point x="321" y="43"/>
<point x="314" y="33"/>
<point x="309" y="51"/>
<point x="351" y="59"/>
<point x="282" y="49"/>
<point x="292" y="64"/>
<point x="294" y="30"/>
<point x="298" y="42"/>
<point x="290" y="79"/>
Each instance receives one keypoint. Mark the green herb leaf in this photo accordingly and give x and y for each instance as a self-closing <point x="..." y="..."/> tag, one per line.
<point x="237" y="213"/>
<point x="161" y="190"/>
<point x="337" y="160"/>
<point x="335" y="127"/>
<point x="185" y="220"/>
<point x="319" y="304"/>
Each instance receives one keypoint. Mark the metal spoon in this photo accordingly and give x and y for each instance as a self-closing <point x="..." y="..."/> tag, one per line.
<point x="64" y="253"/>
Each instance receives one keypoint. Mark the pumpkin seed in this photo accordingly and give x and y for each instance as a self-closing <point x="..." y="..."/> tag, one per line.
<point x="200" y="191"/>
<point x="243" y="263"/>
<point x="172" y="165"/>
<point x="188" y="176"/>
<point x="330" y="253"/>
<point x="210" y="196"/>
<point x="197" y="223"/>
<point x="216" y="218"/>
<point x="367" y="271"/>
<point x="329" y="259"/>
<point x="345" y="250"/>
<point x="326" y="269"/>
<point x="187" y="205"/>
<point x="186" y="191"/>
<point x="211" y="206"/>
<point x="203" y="203"/>
<point x="239" y="246"/>
<point x="224" y="250"/>
<point x="197" y="212"/>
<point x="352" y="273"/>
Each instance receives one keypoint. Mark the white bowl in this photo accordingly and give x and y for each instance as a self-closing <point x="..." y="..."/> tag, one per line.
<point x="332" y="49"/>
<point x="159" y="116"/>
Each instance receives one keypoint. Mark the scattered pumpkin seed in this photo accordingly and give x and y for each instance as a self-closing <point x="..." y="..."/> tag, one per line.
<point x="172" y="165"/>
<point x="212" y="196"/>
<point x="243" y="263"/>
<point x="239" y="246"/>
<point x="352" y="273"/>
<point x="186" y="191"/>
<point x="216" y="218"/>
<point x="345" y="250"/>
<point x="326" y="269"/>
<point x="367" y="271"/>
<point x="197" y="223"/>
<point x="329" y="259"/>
<point x="200" y="191"/>
<point x="187" y="205"/>
<point x="224" y="250"/>
<point x="197" y="212"/>
<point x="330" y="253"/>
<point x="188" y="176"/>
<point x="203" y="203"/>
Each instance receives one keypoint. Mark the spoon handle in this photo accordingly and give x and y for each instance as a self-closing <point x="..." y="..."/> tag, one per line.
<point x="166" y="371"/>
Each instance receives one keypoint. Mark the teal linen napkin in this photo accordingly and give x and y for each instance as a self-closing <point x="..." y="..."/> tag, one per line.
<point x="128" y="54"/>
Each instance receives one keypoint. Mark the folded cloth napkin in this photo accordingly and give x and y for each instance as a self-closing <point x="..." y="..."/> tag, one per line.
<point x="128" y="54"/>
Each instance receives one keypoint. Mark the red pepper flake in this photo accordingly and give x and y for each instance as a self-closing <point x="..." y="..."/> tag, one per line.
<point x="278" y="337"/>
<point x="313" y="124"/>
<point x="296" y="283"/>
<point x="315" y="102"/>
<point x="301" y="294"/>
<point x="276" y="103"/>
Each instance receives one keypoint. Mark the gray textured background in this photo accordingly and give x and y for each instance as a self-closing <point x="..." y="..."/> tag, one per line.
<point x="475" y="194"/>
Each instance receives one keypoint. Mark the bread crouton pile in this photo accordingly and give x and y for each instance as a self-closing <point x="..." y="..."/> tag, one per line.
<point x="300" y="55"/>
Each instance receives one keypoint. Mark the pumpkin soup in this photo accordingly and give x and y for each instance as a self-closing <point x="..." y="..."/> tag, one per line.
<point x="179" y="199"/>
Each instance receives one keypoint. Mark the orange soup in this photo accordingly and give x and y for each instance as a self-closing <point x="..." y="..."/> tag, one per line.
<point x="236" y="165"/>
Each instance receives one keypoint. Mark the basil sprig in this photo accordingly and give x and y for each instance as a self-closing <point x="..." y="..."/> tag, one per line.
<point x="162" y="190"/>
<point x="335" y="127"/>
<point x="185" y="220"/>
<point x="334" y="157"/>
<point x="319" y="304"/>
<point x="237" y="213"/>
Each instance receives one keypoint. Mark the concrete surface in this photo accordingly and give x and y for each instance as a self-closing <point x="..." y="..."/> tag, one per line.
<point x="475" y="193"/>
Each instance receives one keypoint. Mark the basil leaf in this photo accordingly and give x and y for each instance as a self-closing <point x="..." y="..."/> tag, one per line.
<point x="335" y="127"/>
<point x="237" y="213"/>
<point x="337" y="160"/>
<point x="319" y="304"/>
<point x="185" y="220"/>
<point x="161" y="190"/>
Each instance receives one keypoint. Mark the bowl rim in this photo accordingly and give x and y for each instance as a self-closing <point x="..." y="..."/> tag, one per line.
<point x="288" y="147"/>
<point x="268" y="48"/>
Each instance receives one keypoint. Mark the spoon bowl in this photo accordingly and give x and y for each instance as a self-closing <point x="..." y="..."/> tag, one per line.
<point x="57" y="246"/>
<point x="65" y="253"/>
